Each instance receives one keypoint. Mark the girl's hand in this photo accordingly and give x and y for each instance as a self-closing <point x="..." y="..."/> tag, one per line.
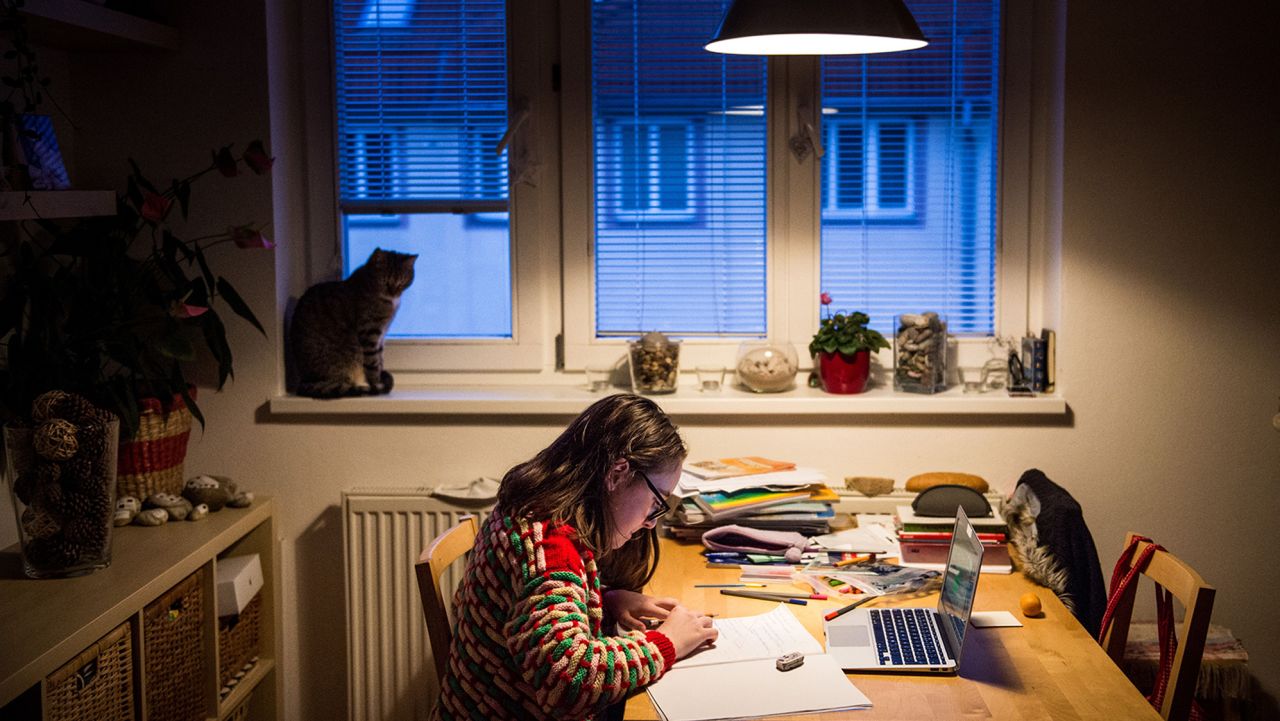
<point x="687" y="630"/>
<point x="631" y="609"/>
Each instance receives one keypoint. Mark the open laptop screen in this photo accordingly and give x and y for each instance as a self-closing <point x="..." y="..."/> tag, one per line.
<point x="960" y="580"/>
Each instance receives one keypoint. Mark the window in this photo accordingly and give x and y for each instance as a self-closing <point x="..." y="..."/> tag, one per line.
<point x="909" y="182"/>
<point x="422" y="103"/>
<point x="646" y="184"/>
<point x="868" y="171"/>
<point x="679" y="214"/>
<point x="654" y="178"/>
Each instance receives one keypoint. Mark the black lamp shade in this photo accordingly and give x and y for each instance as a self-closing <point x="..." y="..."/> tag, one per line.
<point x="816" y="27"/>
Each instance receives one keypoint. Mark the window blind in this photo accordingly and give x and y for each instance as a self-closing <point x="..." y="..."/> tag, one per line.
<point x="679" y="143"/>
<point x="421" y="94"/>
<point x="422" y="100"/>
<point x="909" y="182"/>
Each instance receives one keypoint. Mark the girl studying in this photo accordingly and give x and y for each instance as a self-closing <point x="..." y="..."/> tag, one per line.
<point x="561" y="559"/>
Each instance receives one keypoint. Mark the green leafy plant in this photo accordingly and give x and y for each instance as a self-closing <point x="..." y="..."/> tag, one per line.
<point x="846" y="333"/>
<point x="118" y="308"/>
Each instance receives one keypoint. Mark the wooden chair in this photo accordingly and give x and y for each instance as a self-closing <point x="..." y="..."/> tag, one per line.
<point x="439" y="555"/>
<point x="1196" y="597"/>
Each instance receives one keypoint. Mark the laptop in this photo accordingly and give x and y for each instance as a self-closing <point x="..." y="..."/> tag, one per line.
<point x="918" y="640"/>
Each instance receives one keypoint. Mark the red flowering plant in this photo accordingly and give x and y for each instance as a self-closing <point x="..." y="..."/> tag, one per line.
<point x="846" y="333"/>
<point x="117" y="308"/>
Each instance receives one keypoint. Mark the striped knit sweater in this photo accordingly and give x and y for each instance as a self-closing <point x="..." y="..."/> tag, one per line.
<point x="528" y="641"/>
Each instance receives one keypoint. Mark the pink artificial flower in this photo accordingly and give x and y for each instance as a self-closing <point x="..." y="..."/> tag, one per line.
<point x="246" y="237"/>
<point x="154" y="206"/>
<point x="825" y="298"/>
<point x="256" y="157"/>
<point x="225" y="162"/>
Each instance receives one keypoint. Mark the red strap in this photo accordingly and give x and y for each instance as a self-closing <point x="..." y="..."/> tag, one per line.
<point x="1121" y="578"/>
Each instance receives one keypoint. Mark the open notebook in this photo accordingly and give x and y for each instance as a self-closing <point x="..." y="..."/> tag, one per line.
<point x="739" y="679"/>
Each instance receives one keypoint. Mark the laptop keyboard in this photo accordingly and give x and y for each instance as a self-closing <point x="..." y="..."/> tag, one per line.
<point x="905" y="636"/>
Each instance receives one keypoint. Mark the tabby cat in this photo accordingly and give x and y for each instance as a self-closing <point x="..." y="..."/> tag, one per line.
<point x="338" y="328"/>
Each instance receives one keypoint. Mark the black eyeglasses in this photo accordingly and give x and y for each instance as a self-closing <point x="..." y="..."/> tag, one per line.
<point x="661" y="510"/>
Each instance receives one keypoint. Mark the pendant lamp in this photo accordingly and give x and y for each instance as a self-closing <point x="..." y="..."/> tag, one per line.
<point x="816" y="27"/>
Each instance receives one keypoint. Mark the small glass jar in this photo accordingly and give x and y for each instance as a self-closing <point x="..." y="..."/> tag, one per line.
<point x="63" y="496"/>
<point x="654" y="362"/>
<point x="920" y="353"/>
<point x="765" y="367"/>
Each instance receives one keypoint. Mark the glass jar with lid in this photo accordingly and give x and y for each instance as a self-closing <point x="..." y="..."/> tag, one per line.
<point x="765" y="367"/>
<point x="654" y="362"/>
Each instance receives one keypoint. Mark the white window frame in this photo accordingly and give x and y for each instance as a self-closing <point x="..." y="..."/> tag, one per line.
<point x="552" y="221"/>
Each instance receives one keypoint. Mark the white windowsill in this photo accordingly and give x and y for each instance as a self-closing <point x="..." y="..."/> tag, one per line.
<point x="687" y="401"/>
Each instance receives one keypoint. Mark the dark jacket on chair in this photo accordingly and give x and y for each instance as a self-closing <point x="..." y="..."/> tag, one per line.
<point x="1048" y="532"/>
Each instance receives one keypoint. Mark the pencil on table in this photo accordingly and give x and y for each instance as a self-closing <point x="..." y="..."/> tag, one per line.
<point x="760" y="595"/>
<point x="845" y="609"/>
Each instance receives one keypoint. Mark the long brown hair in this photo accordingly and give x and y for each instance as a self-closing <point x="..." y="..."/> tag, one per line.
<point x="565" y="482"/>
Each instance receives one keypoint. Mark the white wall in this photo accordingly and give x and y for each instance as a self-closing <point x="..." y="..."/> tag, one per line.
<point x="1169" y="344"/>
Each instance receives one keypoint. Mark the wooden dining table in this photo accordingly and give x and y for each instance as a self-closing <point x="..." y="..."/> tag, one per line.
<point x="1049" y="668"/>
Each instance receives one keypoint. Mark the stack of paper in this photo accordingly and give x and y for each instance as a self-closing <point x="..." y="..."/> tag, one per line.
<point x="738" y="678"/>
<point x="795" y="499"/>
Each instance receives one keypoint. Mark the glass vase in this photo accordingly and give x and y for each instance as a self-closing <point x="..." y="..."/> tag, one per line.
<point x="920" y="353"/>
<point x="765" y="367"/>
<point x="654" y="363"/>
<point x="63" y="495"/>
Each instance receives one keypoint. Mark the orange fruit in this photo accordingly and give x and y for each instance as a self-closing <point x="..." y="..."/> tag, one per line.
<point x="1030" y="604"/>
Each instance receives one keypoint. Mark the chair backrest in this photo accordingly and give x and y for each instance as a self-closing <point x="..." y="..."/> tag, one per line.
<point x="439" y="555"/>
<point x="1196" y="597"/>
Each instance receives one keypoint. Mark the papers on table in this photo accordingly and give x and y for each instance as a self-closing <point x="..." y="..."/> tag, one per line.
<point x="738" y="678"/>
<point x="754" y="689"/>
<point x="863" y="539"/>
<point x="767" y="635"/>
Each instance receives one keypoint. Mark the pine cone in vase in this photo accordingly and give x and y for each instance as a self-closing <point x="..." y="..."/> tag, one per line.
<point x="87" y="534"/>
<point x="92" y="437"/>
<point x="94" y="506"/>
<point x="49" y="498"/>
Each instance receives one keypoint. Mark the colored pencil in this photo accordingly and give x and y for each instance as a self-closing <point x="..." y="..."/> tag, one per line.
<point x="845" y="609"/>
<point x="763" y="596"/>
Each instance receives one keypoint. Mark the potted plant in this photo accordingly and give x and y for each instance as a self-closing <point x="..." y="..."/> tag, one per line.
<point x="118" y="308"/>
<point x="843" y="347"/>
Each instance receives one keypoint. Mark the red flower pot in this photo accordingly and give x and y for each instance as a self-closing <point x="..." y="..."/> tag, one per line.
<point x="844" y="374"/>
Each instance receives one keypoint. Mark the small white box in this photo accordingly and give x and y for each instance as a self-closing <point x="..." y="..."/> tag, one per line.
<point x="238" y="579"/>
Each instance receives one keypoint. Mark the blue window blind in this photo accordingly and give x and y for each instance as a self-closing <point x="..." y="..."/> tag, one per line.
<point x="679" y="141"/>
<point x="909" y="178"/>
<point x="421" y="89"/>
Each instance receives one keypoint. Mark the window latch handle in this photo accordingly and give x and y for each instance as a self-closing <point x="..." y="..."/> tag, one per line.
<point x="807" y="138"/>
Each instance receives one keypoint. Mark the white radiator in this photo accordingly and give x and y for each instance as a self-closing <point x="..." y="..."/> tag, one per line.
<point x="389" y="664"/>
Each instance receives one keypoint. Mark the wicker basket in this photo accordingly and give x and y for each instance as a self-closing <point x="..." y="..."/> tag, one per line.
<point x="238" y="640"/>
<point x="151" y="461"/>
<point x="174" y="638"/>
<point x="97" y="685"/>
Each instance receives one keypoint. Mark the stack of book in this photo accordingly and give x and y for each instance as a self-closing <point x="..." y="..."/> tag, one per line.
<point x="926" y="540"/>
<point x="753" y="492"/>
